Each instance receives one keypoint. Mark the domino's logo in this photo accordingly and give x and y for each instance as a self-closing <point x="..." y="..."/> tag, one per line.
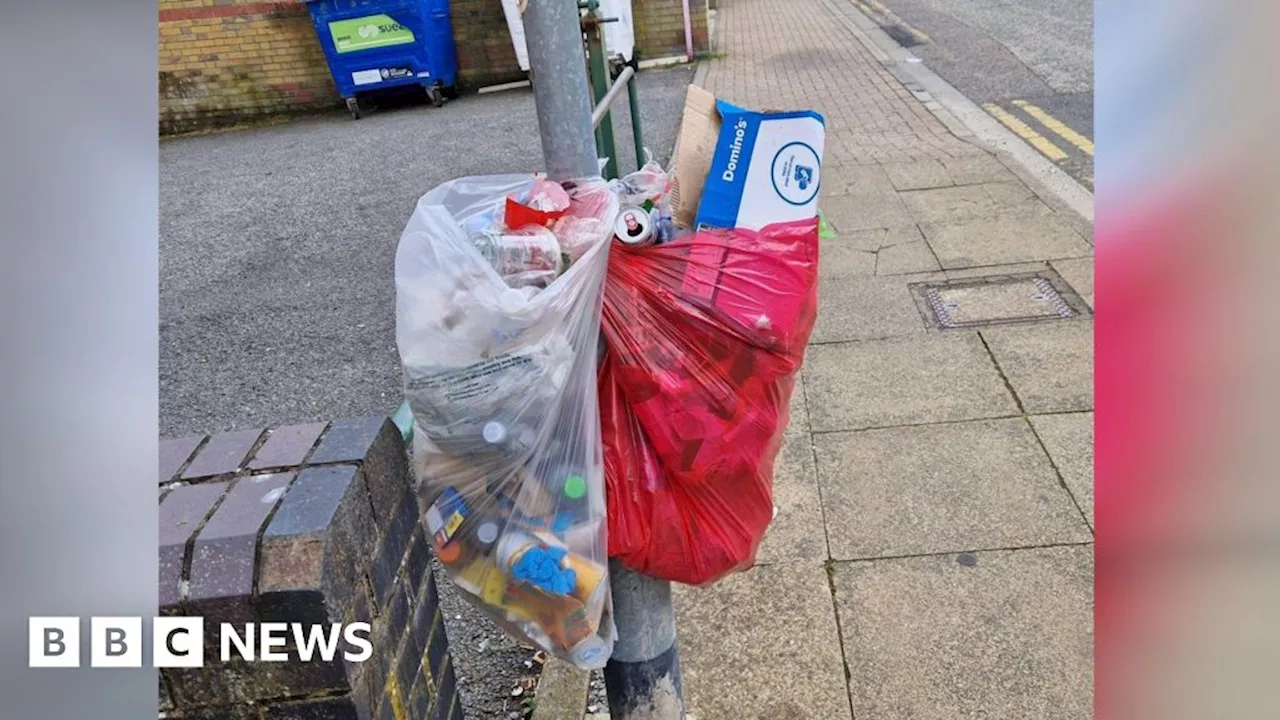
<point x="804" y="176"/>
<point x="796" y="173"/>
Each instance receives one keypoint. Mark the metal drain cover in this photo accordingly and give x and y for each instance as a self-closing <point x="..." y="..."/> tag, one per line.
<point x="977" y="302"/>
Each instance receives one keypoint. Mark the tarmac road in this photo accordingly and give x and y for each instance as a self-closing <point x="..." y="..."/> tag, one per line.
<point x="277" y="248"/>
<point x="1028" y="63"/>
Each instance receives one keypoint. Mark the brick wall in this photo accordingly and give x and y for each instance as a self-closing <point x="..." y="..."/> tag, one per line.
<point x="225" y="61"/>
<point x="485" y="53"/>
<point x="659" y="27"/>
<point x="310" y="524"/>
<point x="222" y="61"/>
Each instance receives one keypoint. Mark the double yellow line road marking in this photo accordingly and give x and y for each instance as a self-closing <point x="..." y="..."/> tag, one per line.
<point x="1034" y="138"/>
<point x="1056" y="125"/>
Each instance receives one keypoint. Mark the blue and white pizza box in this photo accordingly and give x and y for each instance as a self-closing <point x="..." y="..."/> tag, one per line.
<point x="766" y="169"/>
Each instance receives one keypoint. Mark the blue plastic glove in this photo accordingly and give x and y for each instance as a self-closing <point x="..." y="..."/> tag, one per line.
<point x="540" y="567"/>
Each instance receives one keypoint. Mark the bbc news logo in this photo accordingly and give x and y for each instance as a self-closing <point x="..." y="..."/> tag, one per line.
<point x="179" y="642"/>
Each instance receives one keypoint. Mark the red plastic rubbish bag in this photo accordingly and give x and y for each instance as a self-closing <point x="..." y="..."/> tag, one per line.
<point x="705" y="335"/>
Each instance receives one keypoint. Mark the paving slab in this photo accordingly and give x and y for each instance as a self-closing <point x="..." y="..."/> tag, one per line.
<point x="762" y="645"/>
<point x="1069" y="440"/>
<point x="1014" y="196"/>
<point x="933" y="378"/>
<point x="791" y="535"/>
<point x="1005" y="634"/>
<point x="1079" y="275"/>
<point x="918" y="174"/>
<point x="798" y="411"/>
<point x="977" y="169"/>
<point x="869" y="240"/>
<point x="865" y="211"/>
<point x="941" y="488"/>
<point x="1049" y="365"/>
<point x="840" y="258"/>
<point x="903" y="258"/>
<point x="796" y="533"/>
<point x="1004" y="240"/>
<point x="865" y="308"/>
<point x="949" y="205"/>
<point x="840" y="179"/>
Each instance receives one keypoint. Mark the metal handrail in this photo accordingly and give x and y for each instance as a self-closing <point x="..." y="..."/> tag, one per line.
<point x="602" y="108"/>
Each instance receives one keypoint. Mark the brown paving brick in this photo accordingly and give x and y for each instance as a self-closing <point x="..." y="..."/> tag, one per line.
<point x="286" y="446"/>
<point x="348" y="440"/>
<point x="181" y="512"/>
<point x="222" y="561"/>
<point x="317" y="546"/>
<point x="223" y="454"/>
<point x="173" y="453"/>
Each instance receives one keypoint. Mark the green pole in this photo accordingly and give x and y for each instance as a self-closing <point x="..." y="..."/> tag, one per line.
<point x="600" y="86"/>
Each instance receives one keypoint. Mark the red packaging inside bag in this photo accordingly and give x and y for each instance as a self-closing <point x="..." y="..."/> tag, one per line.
<point x="705" y="336"/>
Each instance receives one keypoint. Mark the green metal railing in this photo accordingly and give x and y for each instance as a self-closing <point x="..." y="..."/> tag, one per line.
<point x="604" y="93"/>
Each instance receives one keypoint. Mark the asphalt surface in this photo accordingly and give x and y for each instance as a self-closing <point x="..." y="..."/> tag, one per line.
<point x="1007" y="52"/>
<point x="277" y="248"/>
<point x="277" y="298"/>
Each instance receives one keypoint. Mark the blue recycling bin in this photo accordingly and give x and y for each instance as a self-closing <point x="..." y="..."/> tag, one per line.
<point x="375" y="45"/>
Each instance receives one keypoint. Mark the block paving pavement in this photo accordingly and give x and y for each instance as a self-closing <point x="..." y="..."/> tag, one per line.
<point x="932" y="554"/>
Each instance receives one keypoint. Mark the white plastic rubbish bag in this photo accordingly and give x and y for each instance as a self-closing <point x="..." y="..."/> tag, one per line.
<point x="497" y="329"/>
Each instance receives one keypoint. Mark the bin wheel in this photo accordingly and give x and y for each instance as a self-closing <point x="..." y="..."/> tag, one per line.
<point x="436" y="95"/>
<point x="451" y="92"/>
<point x="353" y="106"/>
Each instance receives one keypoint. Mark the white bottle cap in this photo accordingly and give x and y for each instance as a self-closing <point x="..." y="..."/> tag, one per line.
<point x="487" y="533"/>
<point x="494" y="432"/>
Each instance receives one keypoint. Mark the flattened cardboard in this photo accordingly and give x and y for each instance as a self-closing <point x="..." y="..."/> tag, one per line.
<point x="695" y="148"/>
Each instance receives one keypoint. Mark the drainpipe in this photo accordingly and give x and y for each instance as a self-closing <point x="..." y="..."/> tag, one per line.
<point x="688" y="32"/>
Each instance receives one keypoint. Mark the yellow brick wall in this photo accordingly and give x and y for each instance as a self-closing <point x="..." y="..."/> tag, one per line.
<point x="659" y="27"/>
<point x="223" y="61"/>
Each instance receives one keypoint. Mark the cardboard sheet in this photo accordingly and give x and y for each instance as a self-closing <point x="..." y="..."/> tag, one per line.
<point x="695" y="148"/>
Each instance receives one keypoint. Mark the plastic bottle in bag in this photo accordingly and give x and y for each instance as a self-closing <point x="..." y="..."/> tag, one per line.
<point x="501" y="383"/>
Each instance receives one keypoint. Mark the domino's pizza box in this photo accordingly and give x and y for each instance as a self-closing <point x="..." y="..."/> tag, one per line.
<point x="766" y="169"/>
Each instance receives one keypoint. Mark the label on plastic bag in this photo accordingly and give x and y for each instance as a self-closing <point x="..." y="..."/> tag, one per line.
<point x="479" y="380"/>
<point x="460" y="400"/>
